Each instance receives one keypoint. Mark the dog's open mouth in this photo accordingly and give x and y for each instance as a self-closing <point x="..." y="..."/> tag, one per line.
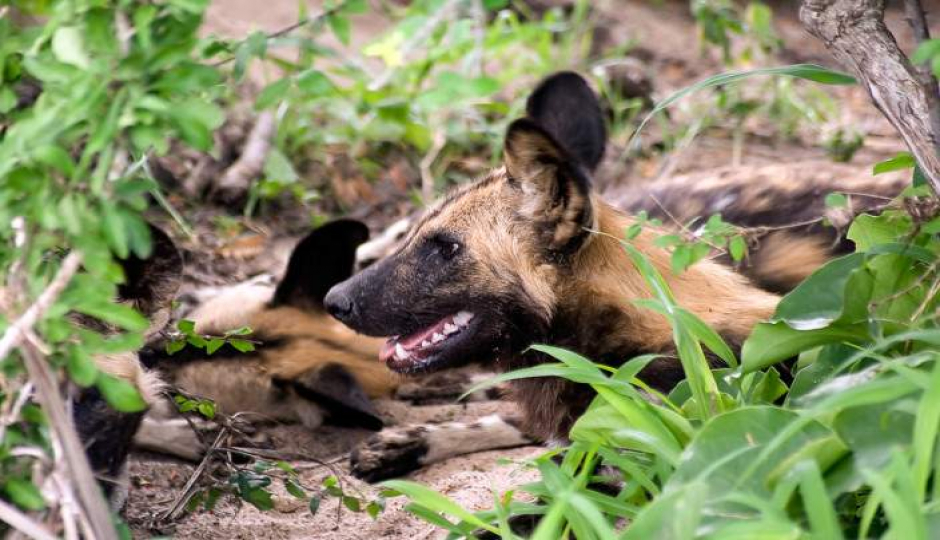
<point x="422" y="349"/>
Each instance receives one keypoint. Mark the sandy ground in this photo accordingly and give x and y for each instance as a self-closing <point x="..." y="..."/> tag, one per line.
<point x="665" y="31"/>
<point x="471" y="479"/>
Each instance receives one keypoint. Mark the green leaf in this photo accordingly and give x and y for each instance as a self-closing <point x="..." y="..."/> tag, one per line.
<point x="341" y="28"/>
<point x="273" y="93"/>
<point x="186" y="326"/>
<point x="904" y="160"/>
<point x="375" y="508"/>
<point x="294" y="489"/>
<point x="207" y="409"/>
<point x="120" y="394"/>
<point x="24" y="494"/>
<point x="820" y="299"/>
<point x="114" y="231"/>
<point x="436" y="502"/>
<point x="836" y="200"/>
<point x="352" y="7"/>
<point x="81" y="367"/>
<point x="868" y="231"/>
<point x="258" y="497"/>
<point x="241" y="345"/>
<point x="352" y="503"/>
<point x="120" y="315"/>
<point x="926" y="51"/>
<point x="770" y="343"/>
<point x="314" y="505"/>
<point x="315" y="83"/>
<point x="7" y="99"/>
<point x="68" y="46"/>
<point x="214" y="344"/>
<point x="175" y="346"/>
<point x="737" y="247"/>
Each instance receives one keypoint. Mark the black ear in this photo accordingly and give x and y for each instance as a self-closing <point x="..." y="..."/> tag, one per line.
<point x="566" y="107"/>
<point x="322" y="259"/>
<point x="151" y="283"/>
<point x="335" y="389"/>
<point x="556" y="191"/>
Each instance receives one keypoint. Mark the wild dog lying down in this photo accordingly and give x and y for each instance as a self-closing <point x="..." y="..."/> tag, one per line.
<point x="306" y="367"/>
<point x="529" y="254"/>
<point x="107" y="434"/>
<point x="781" y="206"/>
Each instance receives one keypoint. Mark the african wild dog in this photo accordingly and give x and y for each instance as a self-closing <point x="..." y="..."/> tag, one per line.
<point x="149" y="286"/>
<point x="306" y="366"/>
<point x="782" y="209"/>
<point x="529" y="254"/>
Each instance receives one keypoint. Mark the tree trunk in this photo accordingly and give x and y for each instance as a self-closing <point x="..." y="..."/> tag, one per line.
<point x="856" y="34"/>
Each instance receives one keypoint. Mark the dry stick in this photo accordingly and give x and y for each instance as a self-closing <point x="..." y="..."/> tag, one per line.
<point x="21" y="522"/>
<point x="73" y="453"/>
<point x="855" y="32"/>
<point x="17" y="331"/>
<point x="183" y="497"/>
<point x="236" y="180"/>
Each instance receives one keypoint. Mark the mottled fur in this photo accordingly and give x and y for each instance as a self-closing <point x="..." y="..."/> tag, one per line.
<point x="536" y="257"/>
<point x="790" y="229"/>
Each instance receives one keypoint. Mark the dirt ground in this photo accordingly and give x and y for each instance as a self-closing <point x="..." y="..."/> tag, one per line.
<point x="670" y="48"/>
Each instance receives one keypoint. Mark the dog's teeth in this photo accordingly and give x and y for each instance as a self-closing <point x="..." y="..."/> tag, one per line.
<point x="437" y="338"/>
<point x="450" y="329"/>
<point x="462" y="318"/>
<point x="400" y="352"/>
<point x="425" y="344"/>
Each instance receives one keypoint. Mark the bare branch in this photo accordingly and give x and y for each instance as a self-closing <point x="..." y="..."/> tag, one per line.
<point x="236" y="180"/>
<point x="855" y="32"/>
<point x="17" y="331"/>
<point x="21" y="522"/>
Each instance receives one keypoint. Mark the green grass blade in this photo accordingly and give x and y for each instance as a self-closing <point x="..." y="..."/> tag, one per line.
<point x="809" y="72"/>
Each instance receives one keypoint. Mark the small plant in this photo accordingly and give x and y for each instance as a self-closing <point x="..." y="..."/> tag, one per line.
<point x="187" y="335"/>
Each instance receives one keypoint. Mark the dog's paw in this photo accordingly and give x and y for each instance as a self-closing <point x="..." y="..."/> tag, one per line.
<point x="390" y="453"/>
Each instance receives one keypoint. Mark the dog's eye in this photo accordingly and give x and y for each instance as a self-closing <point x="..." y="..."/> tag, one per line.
<point x="448" y="248"/>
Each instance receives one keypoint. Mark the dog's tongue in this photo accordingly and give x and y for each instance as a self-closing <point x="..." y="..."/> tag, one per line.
<point x="411" y="342"/>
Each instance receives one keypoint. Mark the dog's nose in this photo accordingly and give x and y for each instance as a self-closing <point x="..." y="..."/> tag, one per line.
<point x="338" y="304"/>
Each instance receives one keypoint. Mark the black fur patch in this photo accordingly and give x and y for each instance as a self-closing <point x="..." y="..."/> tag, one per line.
<point x="567" y="108"/>
<point x="106" y="433"/>
<point x="335" y="389"/>
<point x="322" y="259"/>
<point x="151" y="283"/>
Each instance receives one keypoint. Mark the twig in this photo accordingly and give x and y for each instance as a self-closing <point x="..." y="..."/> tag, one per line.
<point x="73" y="462"/>
<point x="291" y="27"/>
<point x="26" y="391"/>
<point x="17" y="331"/>
<point x="183" y="497"/>
<point x="236" y="180"/>
<point x="21" y="522"/>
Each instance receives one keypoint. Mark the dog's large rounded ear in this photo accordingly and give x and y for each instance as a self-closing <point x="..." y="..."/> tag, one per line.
<point x="556" y="191"/>
<point x="151" y="283"/>
<point x="566" y="107"/>
<point x="322" y="259"/>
